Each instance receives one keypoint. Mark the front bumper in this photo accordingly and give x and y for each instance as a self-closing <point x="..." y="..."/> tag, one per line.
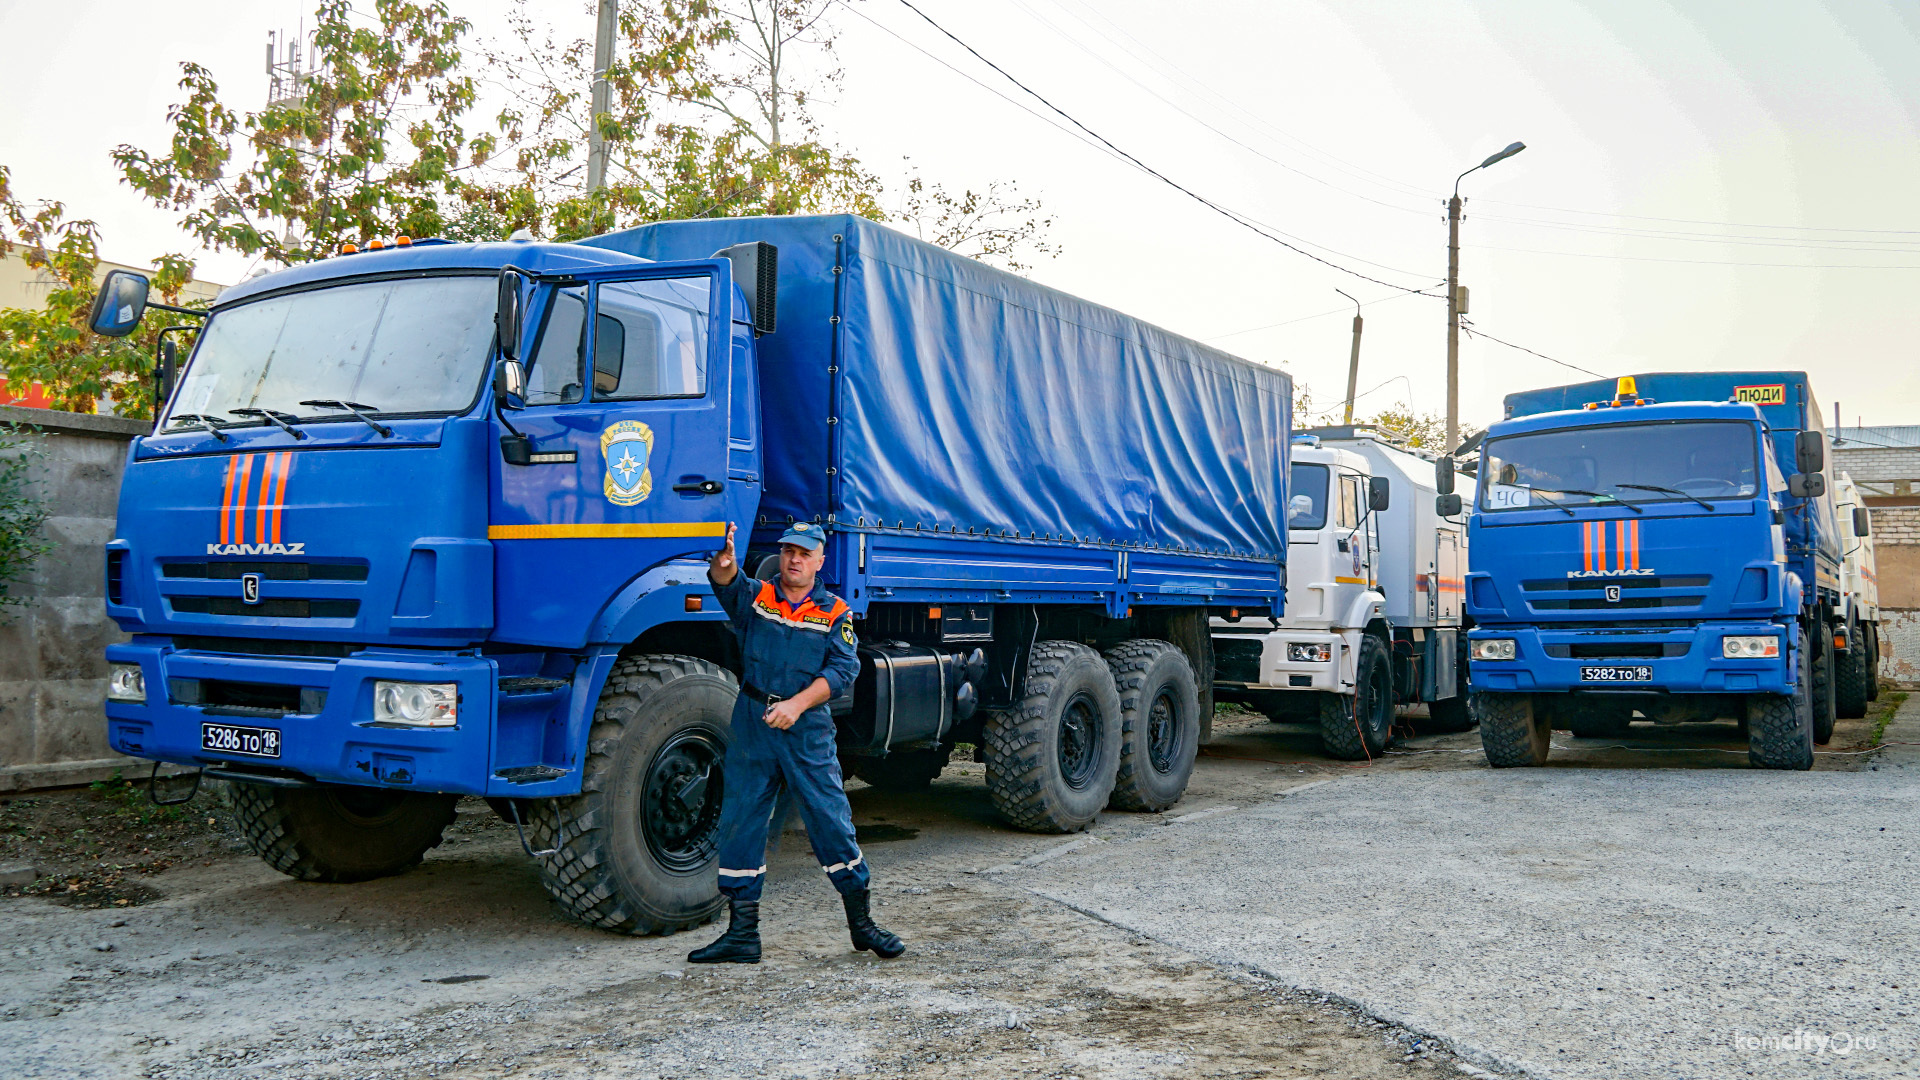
<point x="1273" y="671"/>
<point x="1547" y="659"/>
<point x="337" y="743"/>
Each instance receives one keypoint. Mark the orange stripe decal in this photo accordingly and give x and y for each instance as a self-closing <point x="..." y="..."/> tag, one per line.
<point x="1636" y="543"/>
<point x="266" y="496"/>
<point x="226" y="501"/>
<point x="1586" y="543"/>
<point x="1620" y="546"/>
<point x="240" y="506"/>
<point x="280" y="492"/>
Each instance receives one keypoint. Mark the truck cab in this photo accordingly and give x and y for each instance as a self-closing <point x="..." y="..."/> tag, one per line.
<point x="1667" y="550"/>
<point x="1374" y="600"/>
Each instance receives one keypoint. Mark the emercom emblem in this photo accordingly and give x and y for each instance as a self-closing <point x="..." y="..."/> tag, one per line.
<point x="628" y="448"/>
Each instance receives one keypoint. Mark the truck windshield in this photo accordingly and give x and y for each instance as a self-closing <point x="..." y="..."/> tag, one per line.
<point x="1307" y="497"/>
<point x="417" y="345"/>
<point x="1626" y="463"/>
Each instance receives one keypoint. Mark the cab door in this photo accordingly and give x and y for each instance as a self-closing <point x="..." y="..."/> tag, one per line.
<point x="627" y="410"/>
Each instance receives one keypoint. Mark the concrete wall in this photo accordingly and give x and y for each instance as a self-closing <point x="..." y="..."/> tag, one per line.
<point x="53" y="675"/>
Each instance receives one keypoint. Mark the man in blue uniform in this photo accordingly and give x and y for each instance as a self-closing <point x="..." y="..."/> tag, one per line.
<point x="797" y="650"/>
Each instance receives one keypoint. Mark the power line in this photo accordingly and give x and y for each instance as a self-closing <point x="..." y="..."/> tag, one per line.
<point x="1696" y="221"/>
<point x="1305" y="318"/>
<point x="1467" y="328"/>
<point x="1156" y="174"/>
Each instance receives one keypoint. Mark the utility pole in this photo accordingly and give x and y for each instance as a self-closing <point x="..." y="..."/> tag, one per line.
<point x="1453" y="295"/>
<point x="602" y="60"/>
<point x="1353" y="361"/>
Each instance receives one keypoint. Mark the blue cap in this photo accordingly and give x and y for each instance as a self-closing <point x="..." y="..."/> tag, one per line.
<point x="805" y="534"/>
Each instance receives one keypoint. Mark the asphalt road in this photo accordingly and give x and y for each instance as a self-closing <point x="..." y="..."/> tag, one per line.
<point x="1570" y="921"/>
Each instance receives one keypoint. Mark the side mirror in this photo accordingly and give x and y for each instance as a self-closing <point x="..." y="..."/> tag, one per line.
<point x="1377" y="498"/>
<point x="506" y="313"/>
<point x="164" y="370"/>
<point x="1862" y="522"/>
<point x="1807" y="485"/>
<point x="756" y="269"/>
<point x="1809" y="451"/>
<point x="1447" y="505"/>
<point x="1443" y="476"/>
<point x="510" y="384"/>
<point x="118" y="305"/>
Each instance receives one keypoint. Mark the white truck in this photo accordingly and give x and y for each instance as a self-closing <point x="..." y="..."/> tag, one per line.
<point x="1857" y="670"/>
<point x="1374" y="612"/>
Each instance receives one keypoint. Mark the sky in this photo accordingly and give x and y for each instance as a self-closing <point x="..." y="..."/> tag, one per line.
<point x="1710" y="185"/>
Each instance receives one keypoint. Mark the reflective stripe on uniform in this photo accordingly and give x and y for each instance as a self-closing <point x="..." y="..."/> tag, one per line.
<point x="839" y="866"/>
<point x="743" y="873"/>
<point x="770" y="605"/>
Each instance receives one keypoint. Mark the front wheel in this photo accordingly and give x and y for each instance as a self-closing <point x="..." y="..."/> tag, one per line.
<point x="340" y="832"/>
<point x="1053" y="759"/>
<point x="1780" y="726"/>
<point x="1359" y="727"/>
<point x="1516" y="730"/>
<point x="635" y="849"/>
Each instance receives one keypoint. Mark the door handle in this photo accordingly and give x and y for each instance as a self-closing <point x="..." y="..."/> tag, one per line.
<point x="704" y="487"/>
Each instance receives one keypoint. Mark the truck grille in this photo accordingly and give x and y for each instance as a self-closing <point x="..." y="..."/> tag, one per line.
<point x="265" y="609"/>
<point x="1603" y="604"/>
<point x="1696" y="581"/>
<point x="1618" y="650"/>
<point x="1636" y="593"/>
<point x="268" y="570"/>
<point x="267" y="646"/>
<point x="1237" y="661"/>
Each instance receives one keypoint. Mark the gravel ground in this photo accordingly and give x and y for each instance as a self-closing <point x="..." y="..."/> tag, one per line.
<point x="1571" y="921"/>
<point x="1153" y="946"/>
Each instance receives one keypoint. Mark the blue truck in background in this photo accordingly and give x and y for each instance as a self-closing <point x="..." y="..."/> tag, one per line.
<point x="429" y="520"/>
<point x="1662" y="544"/>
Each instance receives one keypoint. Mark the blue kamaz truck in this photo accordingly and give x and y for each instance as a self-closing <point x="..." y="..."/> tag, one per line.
<point x="1662" y="544"/>
<point x="429" y="520"/>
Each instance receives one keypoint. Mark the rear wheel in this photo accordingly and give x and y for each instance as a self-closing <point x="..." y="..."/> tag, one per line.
<point x="1780" y="726"/>
<point x="1851" y="689"/>
<point x="903" y="770"/>
<point x="1159" y="724"/>
<point x="1873" y="662"/>
<point x="1053" y="759"/>
<point x="1358" y="727"/>
<point x="1823" y="680"/>
<point x="636" y="846"/>
<point x="340" y="832"/>
<point x="1515" y="729"/>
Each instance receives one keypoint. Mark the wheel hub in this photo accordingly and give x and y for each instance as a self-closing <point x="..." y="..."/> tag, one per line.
<point x="1079" y="741"/>
<point x="680" y="804"/>
<point x="1163" y="732"/>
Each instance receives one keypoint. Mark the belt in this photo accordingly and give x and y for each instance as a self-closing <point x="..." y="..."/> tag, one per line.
<point x="760" y="696"/>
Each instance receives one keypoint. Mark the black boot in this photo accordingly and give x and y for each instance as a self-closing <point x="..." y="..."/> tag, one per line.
<point x="867" y="934"/>
<point x="740" y="944"/>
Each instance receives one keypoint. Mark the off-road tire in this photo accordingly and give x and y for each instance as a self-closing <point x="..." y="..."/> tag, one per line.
<point x="604" y="871"/>
<point x="1852" y="688"/>
<point x="1873" y="662"/>
<point x="1515" y="729"/>
<point x="1780" y="726"/>
<point x="1448" y="715"/>
<point x="339" y="832"/>
<point x="1823" y="686"/>
<point x="1152" y="675"/>
<point x="902" y="771"/>
<point x="1596" y="719"/>
<point x="1360" y="727"/>
<point x="1026" y="777"/>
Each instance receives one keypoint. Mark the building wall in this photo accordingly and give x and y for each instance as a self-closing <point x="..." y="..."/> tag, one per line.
<point x="23" y="286"/>
<point x="53" y="671"/>
<point x="1889" y="479"/>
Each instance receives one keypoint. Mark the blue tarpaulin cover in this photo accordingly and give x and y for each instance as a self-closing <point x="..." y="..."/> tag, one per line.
<point x="971" y="398"/>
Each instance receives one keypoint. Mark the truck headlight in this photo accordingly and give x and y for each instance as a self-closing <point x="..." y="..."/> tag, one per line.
<point x="126" y="682"/>
<point x="1299" y="652"/>
<point x="1756" y="647"/>
<point x="417" y="704"/>
<point x="1500" y="648"/>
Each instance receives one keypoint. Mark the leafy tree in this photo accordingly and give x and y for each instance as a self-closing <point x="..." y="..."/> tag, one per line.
<point x="996" y="225"/>
<point x="370" y="145"/>
<point x="22" y="513"/>
<point x="52" y="346"/>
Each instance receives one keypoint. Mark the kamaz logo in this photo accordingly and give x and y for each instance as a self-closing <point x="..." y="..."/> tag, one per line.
<point x="256" y="549"/>
<point x="1646" y="572"/>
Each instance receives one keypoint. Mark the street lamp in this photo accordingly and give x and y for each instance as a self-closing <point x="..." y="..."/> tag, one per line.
<point x="1353" y="362"/>
<point x="1453" y="294"/>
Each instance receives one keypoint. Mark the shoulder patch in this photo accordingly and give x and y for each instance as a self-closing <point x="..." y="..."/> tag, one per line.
<point x="846" y="631"/>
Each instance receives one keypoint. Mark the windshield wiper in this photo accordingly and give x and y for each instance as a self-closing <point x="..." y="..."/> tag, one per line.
<point x="277" y="419"/>
<point x="353" y="407"/>
<point x="1555" y="503"/>
<point x="204" y="423"/>
<point x="1670" y="491"/>
<point x="1635" y="507"/>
